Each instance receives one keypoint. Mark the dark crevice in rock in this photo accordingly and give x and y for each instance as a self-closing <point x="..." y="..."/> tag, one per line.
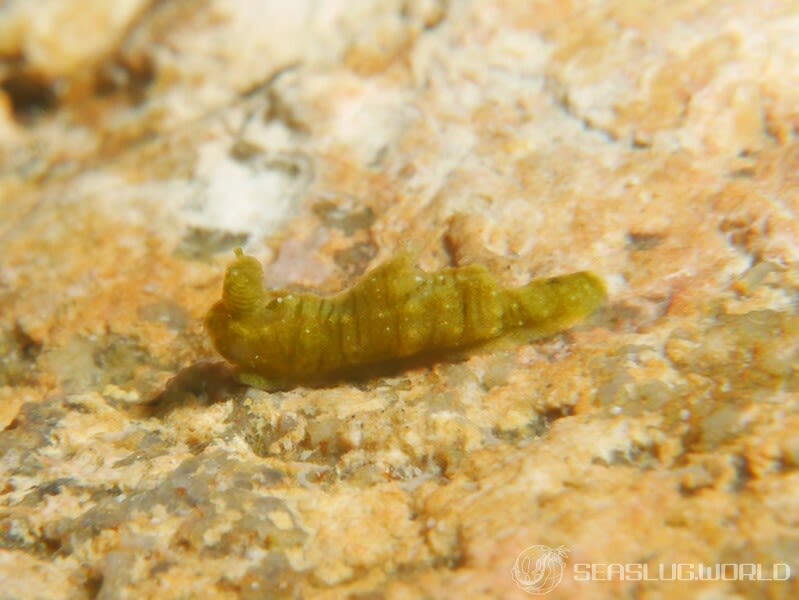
<point x="32" y="96"/>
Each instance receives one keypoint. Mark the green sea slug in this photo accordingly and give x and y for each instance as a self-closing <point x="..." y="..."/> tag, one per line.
<point x="396" y="313"/>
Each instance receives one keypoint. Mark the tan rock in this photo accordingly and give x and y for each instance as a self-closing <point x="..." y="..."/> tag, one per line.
<point x="652" y="143"/>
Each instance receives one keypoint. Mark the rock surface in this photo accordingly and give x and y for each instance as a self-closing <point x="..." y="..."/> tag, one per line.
<point x="654" y="143"/>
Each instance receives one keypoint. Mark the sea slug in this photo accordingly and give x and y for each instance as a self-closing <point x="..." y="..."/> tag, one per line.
<point x="396" y="312"/>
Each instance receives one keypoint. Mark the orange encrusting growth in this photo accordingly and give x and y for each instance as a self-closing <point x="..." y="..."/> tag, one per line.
<point x="396" y="312"/>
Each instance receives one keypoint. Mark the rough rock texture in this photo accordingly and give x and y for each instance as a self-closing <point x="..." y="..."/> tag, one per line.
<point x="654" y="143"/>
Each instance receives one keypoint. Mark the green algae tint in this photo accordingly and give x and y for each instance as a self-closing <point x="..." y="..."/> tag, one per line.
<point x="394" y="314"/>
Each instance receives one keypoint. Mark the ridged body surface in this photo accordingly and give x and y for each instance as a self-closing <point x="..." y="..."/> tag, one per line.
<point x="396" y="312"/>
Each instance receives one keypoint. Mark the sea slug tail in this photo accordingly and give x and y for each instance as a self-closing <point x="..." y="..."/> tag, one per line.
<point x="550" y="305"/>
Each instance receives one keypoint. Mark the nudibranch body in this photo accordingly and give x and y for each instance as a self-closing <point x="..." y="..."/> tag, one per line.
<point x="396" y="312"/>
